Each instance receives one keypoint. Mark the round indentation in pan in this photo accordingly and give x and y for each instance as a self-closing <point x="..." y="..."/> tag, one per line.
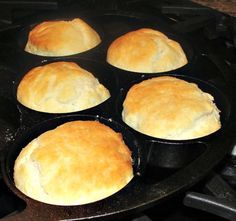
<point x="25" y="138"/>
<point x="23" y="37"/>
<point x="177" y="153"/>
<point x="100" y="71"/>
<point x="119" y="24"/>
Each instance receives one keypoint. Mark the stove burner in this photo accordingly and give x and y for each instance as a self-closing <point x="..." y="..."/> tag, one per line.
<point x="228" y="171"/>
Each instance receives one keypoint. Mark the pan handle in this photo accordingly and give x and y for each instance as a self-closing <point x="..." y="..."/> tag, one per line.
<point x="21" y="216"/>
<point x="38" y="212"/>
<point x="222" y="204"/>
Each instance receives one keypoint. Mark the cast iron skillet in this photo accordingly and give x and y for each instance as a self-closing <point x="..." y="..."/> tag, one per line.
<point x="141" y="192"/>
<point x="137" y="195"/>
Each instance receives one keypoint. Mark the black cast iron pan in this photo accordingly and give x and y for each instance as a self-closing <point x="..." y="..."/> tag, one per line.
<point x="142" y="192"/>
<point x="139" y="194"/>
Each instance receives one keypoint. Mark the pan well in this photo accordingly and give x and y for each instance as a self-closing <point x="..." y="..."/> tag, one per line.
<point x="14" y="151"/>
<point x="24" y="33"/>
<point x="105" y="76"/>
<point x="174" y="154"/>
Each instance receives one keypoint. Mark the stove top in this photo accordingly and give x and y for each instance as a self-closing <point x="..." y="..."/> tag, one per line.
<point x="215" y="34"/>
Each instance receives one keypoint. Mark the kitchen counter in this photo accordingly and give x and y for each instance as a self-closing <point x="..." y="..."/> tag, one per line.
<point x="226" y="6"/>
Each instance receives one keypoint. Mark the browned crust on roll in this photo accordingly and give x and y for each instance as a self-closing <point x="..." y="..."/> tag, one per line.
<point x="61" y="38"/>
<point x="146" y="50"/>
<point x="60" y="87"/>
<point x="170" y="108"/>
<point x="77" y="163"/>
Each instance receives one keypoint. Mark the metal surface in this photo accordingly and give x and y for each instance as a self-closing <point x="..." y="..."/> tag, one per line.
<point x="146" y="190"/>
<point x="221" y="201"/>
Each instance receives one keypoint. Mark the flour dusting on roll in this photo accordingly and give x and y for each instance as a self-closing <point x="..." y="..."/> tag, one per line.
<point x="61" y="38"/>
<point x="60" y="87"/>
<point x="77" y="163"/>
<point x="146" y="50"/>
<point x="170" y="108"/>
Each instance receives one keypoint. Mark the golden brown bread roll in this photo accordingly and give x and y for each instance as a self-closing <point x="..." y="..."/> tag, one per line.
<point x="170" y="108"/>
<point x="77" y="163"/>
<point x="60" y="87"/>
<point x="60" y="38"/>
<point x="146" y="50"/>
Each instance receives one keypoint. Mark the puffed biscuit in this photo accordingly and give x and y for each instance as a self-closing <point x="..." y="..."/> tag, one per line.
<point x="147" y="51"/>
<point x="61" y="38"/>
<point x="170" y="108"/>
<point x="77" y="163"/>
<point x="60" y="87"/>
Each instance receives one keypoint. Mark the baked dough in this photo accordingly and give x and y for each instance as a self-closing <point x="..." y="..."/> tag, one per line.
<point x="170" y="108"/>
<point x="77" y="163"/>
<point x="147" y="51"/>
<point x="60" y="38"/>
<point x="60" y="87"/>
